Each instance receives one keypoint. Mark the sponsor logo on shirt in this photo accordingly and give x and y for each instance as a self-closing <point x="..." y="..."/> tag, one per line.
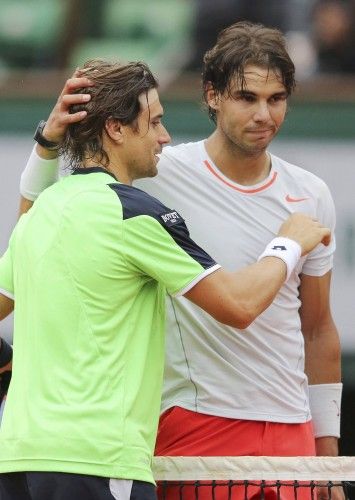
<point x="171" y="218"/>
<point x="291" y="199"/>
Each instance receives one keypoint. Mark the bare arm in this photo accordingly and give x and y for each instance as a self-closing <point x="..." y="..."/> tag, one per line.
<point x="58" y="121"/>
<point x="25" y="205"/>
<point x="322" y="346"/>
<point x="237" y="298"/>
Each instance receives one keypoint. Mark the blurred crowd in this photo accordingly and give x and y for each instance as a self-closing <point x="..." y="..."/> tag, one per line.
<point x="320" y="33"/>
<point x="45" y="33"/>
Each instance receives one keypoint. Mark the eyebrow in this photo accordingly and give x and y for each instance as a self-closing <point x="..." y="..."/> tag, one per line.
<point x="243" y="93"/>
<point x="158" y="116"/>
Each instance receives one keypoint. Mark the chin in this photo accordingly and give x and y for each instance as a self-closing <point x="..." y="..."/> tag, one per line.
<point x="152" y="173"/>
<point x="255" y="150"/>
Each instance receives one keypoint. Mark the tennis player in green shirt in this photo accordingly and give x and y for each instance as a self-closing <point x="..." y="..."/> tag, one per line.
<point x="88" y="268"/>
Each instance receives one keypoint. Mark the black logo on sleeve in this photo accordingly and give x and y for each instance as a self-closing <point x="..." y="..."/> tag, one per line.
<point x="278" y="247"/>
<point x="171" y="218"/>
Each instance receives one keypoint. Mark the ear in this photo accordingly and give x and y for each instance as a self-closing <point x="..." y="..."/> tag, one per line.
<point x="212" y="97"/>
<point x="114" y="129"/>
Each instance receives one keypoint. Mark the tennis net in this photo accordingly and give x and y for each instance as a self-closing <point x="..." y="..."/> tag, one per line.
<point x="253" y="478"/>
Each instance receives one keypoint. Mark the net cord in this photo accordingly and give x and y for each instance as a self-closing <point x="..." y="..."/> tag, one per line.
<point x="252" y="468"/>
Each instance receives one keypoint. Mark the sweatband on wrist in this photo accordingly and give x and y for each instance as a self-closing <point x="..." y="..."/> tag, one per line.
<point x="285" y="249"/>
<point x="5" y="353"/>
<point x="38" y="175"/>
<point x="325" y="406"/>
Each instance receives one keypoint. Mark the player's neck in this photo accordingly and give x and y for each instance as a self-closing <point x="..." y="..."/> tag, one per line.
<point x="239" y="166"/>
<point x="114" y="167"/>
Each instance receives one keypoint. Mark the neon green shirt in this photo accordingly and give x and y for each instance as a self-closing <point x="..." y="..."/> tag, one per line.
<point x="89" y="266"/>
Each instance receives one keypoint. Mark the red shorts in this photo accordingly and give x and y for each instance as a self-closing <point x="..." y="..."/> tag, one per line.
<point x="186" y="433"/>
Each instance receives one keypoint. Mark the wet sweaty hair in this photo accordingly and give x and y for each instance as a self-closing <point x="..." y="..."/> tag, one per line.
<point x="239" y="45"/>
<point x="115" y="94"/>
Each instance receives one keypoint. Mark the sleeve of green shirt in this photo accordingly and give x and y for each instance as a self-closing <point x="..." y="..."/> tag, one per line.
<point x="157" y="242"/>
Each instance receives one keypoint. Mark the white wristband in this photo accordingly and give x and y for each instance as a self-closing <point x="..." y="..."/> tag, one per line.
<point x="285" y="249"/>
<point x="38" y="175"/>
<point x="325" y="405"/>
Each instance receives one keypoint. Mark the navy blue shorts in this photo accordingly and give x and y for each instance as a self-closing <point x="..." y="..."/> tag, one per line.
<point x="62" y="486"/>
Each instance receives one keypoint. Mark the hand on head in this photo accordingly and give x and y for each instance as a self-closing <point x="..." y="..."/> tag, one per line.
<point x="60" y="117"/>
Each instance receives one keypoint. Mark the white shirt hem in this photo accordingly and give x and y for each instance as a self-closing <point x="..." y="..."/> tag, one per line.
<point x="241" y="415"/>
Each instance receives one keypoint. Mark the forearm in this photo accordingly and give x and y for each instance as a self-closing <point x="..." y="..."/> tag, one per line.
<point x="256" y="286"/>
<point x="323" y="368"/>
<point x="327" y="446"/>
<point x="235" y="298"/>
<point x="323" y="355"/>
<point x="24" y="206"/>
<point x="42" y="168"/>
<point x="40" y="172"/>
<point x="45" y="153"/>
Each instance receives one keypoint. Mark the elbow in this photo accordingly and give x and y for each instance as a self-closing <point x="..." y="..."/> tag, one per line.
<point x="244" y="319"/>
<point x="245" y="313"/>
<point x="240" y="316"/>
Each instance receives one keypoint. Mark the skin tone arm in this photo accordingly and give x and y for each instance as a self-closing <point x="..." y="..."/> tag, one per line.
<point x="322" y="345"/>
<point x="237" y="298"/>
<point x="6" y="307"/>
<point x="58" y="121"/>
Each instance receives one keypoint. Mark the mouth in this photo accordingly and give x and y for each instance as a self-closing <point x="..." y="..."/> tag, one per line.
<point x="260" y="131"/>
<point x="158" y="153"/>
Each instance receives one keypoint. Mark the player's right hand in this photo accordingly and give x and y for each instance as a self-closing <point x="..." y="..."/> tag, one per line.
<point x="60" y="117"/>
<point x="307" y="231"/>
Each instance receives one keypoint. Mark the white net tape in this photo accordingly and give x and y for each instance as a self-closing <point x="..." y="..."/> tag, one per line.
<point x="251" y="468"/>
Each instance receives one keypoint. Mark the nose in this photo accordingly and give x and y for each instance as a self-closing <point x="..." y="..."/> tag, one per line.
<point x="262" y="112"/>
<point x="164" y="137"/>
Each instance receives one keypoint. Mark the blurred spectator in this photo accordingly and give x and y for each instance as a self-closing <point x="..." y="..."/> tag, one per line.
<point x="334" y="35"/>
<point x="213" y="16"/>
<point x="299" y="37"/>
<point x="320" y="33"/>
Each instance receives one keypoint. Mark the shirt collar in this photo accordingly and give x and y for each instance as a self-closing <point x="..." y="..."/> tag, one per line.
<point x="90" y="170"/>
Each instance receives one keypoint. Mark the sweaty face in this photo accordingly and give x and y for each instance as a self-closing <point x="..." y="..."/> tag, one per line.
<point x="145" y="141"/>
<point x="249" y="118"/>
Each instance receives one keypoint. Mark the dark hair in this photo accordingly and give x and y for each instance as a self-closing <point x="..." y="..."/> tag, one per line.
<point x="115" y="94"/>
<point x="241" y="44"/>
